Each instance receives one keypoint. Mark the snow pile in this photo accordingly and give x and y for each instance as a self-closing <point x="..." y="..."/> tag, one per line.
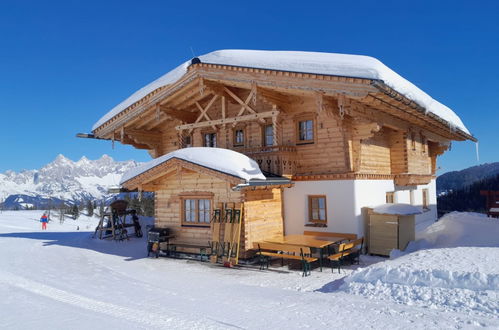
<point x="457" y="279"/>
<point x="356" y="66"/>
<point x="453" y="267"/>
<point x="457" y="229"/>
<point x="399" y="209"/>
<point x="222" y="160"/>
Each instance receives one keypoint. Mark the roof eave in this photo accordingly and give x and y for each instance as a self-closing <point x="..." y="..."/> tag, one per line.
<point x="382" y="87"/>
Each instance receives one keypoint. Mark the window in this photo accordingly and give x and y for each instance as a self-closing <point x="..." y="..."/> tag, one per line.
<point x="306" y="131"/>
<point x="390" y="197"/>
<point x="239" y="137"/>
<point x="196" y="211"/>
<point x="187" y="141"/>
<point x="268" y="135"/>
<point x="413" y="141"/>
<point x="426" y="199"/>
<point x="317" y="208"/>
<point x="210" y="139"/>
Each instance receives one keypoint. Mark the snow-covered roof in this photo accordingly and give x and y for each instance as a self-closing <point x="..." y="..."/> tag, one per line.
<point x="398" y="209"/>
<point x="221" y="160"/>
<point x="356" y="66"/>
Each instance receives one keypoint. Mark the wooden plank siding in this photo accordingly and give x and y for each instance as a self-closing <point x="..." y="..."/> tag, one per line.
<point x="362" y="139"/>
<point x="262" y="215"/>
<point x="168" y="202"/>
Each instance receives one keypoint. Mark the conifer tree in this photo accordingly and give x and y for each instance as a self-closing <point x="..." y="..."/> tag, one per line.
<point x="90" y="208"/>
<point x="75" y="211"/>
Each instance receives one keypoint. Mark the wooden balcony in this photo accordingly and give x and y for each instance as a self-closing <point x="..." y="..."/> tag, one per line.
<point x="280" y="160"/>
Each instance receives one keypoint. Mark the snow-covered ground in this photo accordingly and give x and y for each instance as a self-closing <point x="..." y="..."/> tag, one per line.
<point x="63" y="279"/>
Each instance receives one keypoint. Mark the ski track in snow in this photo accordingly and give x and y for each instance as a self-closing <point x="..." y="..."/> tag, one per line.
<point x="146" y="318"/>
<point x="66" y="280"/>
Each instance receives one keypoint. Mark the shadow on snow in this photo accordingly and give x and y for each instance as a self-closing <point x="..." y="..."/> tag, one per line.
<point x="132" y="249"/>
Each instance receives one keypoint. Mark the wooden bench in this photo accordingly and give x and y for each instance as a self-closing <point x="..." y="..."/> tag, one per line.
<point x="347" y="251"/>
<point x="172" y="248"/>
<point x="284" y="251"/>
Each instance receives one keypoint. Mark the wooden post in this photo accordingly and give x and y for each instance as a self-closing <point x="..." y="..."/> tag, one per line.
<point x="275" y="128"/>
<point x="224" y="108"/>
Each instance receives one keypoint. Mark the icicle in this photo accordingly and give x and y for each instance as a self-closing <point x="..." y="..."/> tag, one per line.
<point x="477" y="152"/>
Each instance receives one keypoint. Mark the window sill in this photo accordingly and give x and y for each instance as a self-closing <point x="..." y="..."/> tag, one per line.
<point x="304" y="143"/>
<point x="316" y="224"/>
<point x="195" y="226"/>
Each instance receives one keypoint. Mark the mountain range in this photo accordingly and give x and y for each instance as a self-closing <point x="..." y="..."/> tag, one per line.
<point x="456" y="180"/>
<point x="62" y="180"/>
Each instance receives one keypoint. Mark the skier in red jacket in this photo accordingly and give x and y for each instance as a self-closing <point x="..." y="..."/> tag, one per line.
<point x="44" y="220"/>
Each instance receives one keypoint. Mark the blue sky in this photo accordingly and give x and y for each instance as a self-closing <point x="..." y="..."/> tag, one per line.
<point x="64" y="64"/>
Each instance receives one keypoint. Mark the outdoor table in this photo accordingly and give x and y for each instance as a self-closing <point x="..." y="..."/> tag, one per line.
<point x="309" y="241"/>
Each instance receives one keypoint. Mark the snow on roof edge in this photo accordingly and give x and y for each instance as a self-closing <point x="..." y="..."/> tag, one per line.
<point x="234" y="163"/>
<point x="355" y="66"/>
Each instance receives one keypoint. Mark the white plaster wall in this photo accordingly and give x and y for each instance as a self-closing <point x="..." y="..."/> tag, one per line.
<point x="428" y="217"/>
<point x="370" y="193"/>
<point x="345" y="200"/>
<point x="340" y="205"/>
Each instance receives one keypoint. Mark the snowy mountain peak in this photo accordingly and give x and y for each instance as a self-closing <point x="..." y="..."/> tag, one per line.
<point x="66" y="180"/>
<point x="62" y="159"/>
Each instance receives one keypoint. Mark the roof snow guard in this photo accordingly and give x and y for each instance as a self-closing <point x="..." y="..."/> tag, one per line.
<point x="343" y="65"/>
<point x="224" y="161"/>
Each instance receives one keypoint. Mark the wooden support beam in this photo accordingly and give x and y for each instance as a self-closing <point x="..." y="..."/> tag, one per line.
<point x="272" y="97"/>
<point x="182" y="115"/>
<point x="244" y="104"/>
<point x="255" y="116"/>
<point x="204" y="111"/>
<point x="224" y="107"/>
<point x="319" y="101"/>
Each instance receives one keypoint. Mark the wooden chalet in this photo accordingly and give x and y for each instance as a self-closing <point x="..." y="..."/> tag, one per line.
<point x="334" y="141"/>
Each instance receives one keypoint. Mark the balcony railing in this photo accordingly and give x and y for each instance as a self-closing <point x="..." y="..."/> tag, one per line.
<point x="280" y="160"/>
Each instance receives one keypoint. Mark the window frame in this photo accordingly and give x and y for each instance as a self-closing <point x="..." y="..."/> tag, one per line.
<point x="390" y="195"/>
<point x="205" y="134"/>
<point x="310" y="209"/>
<point x="186" y="138"/>
<point x="299" y="141"/>
<point x="234" y="137"/>
<point x="197" y="198"/>
<point x="265" y="126"/>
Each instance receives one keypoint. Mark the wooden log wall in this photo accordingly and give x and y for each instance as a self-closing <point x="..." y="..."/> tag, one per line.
<point x="398" y="152"/>
<point x="335" y="148"/>
<point x="168" y="202"/>
<point x="418" y="156"/>
<point x="327" y="153"/>
<point x="375" y="154"/>
<point x="263" y="216"/>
